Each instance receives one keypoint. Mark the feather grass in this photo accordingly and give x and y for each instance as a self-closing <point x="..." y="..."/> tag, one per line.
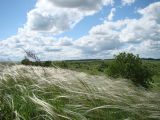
<point x="29" y="94"/>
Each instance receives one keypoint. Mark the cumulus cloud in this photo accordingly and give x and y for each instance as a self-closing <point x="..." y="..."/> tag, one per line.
<point x="65" y="41"/>
<point x="50" y="17"/>
<point x="56" y="16"/>
<point x="101" y="38"/>
<point x="111" y="14"/>
<point x="126" y="35"/>
<point x="84" y="5"/>
<point x="127" y="2"/>
<point x="45" y="47"/>
<point x="146" y="49"/>
<point x="52" y="22"/>
<point x="141" y="36"/>
<point x="145" y="28"/>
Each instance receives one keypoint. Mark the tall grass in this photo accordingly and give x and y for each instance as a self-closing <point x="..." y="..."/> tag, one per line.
<point x="35" y="93"/>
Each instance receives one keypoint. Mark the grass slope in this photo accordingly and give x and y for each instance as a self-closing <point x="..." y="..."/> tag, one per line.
<point x="36" y="93"/>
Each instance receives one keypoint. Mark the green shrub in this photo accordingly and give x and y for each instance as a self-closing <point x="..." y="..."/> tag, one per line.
<point x="26" y="61"/>
<point x="102" y="66"/>
<point x="129" y="66"/>
<point x="37" y="63"/>
<point x="47" y="63"/>
<point x="64" y="64"/>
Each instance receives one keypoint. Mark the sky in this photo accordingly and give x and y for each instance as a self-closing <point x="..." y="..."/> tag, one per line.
<point x="79" y="29"/>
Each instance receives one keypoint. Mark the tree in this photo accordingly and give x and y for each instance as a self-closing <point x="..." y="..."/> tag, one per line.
<point x="129" y="66"/>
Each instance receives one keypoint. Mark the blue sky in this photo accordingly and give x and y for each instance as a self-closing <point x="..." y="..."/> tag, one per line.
<point x="44" y="19"/>
<point x="13" y="16"/>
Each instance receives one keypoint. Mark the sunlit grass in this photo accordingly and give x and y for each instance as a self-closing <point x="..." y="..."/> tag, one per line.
<point x="35" y="93"/>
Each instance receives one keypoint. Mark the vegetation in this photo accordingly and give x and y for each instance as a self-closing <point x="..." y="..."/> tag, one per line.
<point x="26" y="61"/>
<point x="129" y="66"/>
<point x="145" y="72"/>
<point x="93" y="67"/>
<point x="56" y="94"/>
<point x="41" y="91"/>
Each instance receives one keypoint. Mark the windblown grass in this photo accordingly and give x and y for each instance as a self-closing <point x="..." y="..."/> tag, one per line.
<point x="35" y="93"/>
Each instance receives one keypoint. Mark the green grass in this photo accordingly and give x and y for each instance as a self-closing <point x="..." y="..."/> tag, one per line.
<point x="95" y="67"/>
<point x="99" y="67"/>
<point x="35" y="93"/>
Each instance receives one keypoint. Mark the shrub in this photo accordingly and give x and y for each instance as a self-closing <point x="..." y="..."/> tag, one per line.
<point x="26" y="61"/>
<point x="130" y="66"/>
<point x="102" y="67"/>
<point x="37" y="63"/>
<point x="63" y="64"/>
<point x="47" y="63"/>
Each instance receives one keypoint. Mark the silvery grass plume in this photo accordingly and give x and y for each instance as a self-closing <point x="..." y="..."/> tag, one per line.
<point x="30" y="93"/>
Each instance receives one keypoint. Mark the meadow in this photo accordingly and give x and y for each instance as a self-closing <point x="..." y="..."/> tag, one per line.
<point x="99" y="67"/>
<point x="75" y="90"/>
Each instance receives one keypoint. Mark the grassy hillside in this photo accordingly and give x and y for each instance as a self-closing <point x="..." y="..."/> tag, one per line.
<point x="99" y="67"/>
<point x="58" y="94"/>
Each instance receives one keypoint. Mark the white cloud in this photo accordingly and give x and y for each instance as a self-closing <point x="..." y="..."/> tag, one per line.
<point x="84" y="5"/>
<point x="111" y="14"/>
<point x="146" y="49"/>
<point x="50" y="17"/>
<point x="145" y="28"/>
<point x="56" y="16"/>
<point x="141" y="36"/>
<point x="102" y="39"/>
<point x="45" y="47"/>
<point x="128" y="2"/>
<point x="65" y="41"/>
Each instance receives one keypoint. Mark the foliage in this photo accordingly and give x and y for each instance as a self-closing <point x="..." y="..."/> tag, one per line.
<point x="130" y="66"/>
<point x="63" y="64"/>
<point x="47" y="63"/>
<point x="102" y="67"/>
<point x="26" y="61"/>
